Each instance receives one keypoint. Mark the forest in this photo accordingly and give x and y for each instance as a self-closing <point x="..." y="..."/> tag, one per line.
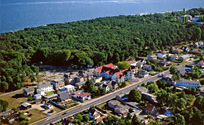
<point x="91" y="42"/>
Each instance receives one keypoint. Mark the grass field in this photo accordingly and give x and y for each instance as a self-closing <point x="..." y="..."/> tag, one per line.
<point x="50" y="93"/>
<point x="15" y="100"/>
<point x="36" y="115"/>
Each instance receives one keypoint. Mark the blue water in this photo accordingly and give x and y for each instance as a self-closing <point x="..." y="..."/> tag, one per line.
<point x="18" y="14"/>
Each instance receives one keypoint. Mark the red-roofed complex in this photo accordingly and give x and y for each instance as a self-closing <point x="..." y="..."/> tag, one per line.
<point x="110" y="72"/>
<point x="178" y="51"/>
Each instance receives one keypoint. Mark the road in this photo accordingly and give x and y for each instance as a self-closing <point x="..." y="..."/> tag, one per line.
<point x="107" y="97"/>
<point x="104" y="98"/>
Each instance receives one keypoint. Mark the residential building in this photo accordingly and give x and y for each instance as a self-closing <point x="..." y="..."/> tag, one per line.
<point x="188" y="67"/>
<point x="113" y="103"/>
<point x="40" y="91"/>
<point x="46" y="87"/>
<point x="68" y="81"/>
<point x="185" y="49"/>
<point x="118" y="107"/>
<point x="186" y="56"/>
<point x="149" y="57"/>
<point x="57" y="83"/>
<point x="149" y="97"/>
<point x="113" y="85"/>
<point x="63" y="96"/>
<point x="178" y="51"/>
<point x="168" y="79"/>
<point x="147" y="67"/>
<point x="69" y="88"/>
<point x="161" y="55"/>
<point x="132" y="62"/>
<point x="195" y="51"/>
<point x="188" y="83"/>
<point x="80" y="84"/>
<point x="143" y="74"/>
<point x="164" y="63"/>
<point x="97" y="79"/>
<point x="26" y="105"/>
<point x="29" y="91"/>
<point x="142" y="89"/>
<point x="143" y="61"/>
<point x="173" y="57"/>
<point x="201" y="91"/>
<point x="37" y="96"/>
<point x="67" y="122"/>
<point x="93" y="114"/>
<point x="200" y="64"/>
<point x="150" y="109"/>
<point x="100" y="119"/>
<point x="104" y="71"/>
<point x="79" y="79"/>
<point x="106" y="87"/>
<point x="189" y="17"/>
<point x="84" y="96"/>
<point x="139" y="65"/>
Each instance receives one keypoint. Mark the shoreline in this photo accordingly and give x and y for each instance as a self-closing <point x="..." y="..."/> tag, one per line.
<point x="136" y="14"/>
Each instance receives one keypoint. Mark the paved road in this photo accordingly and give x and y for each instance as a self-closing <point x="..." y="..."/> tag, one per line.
<point x="107" y="97"/>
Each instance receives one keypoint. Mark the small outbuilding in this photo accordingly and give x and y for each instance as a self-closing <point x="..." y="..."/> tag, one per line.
<point x="26" y="105"/>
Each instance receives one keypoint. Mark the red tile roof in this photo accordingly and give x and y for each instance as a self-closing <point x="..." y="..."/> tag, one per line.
<point x="84" y="94"/>
<point x="131" y="61"/>
<point x="100" y="119"/>
<point x="178" y="49"/>
<point x="106" y="68"/>
<point x="139" y="63"/>
<point x="146" y="65"/>
<point x="96" y="115"/>
<point x="99" y="69"/>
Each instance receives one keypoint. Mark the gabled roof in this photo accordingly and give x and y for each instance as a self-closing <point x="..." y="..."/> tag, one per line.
<point x="178" y="50"/>
<point x="100" y="119"/>
<point x="139" y="63"/>
<point x="84" y="94"/>
<point x="149" y="107"/>
<point x="146" y="65"/>
<point x="92" y="111"/>
<point x="107" y="67"/>
<point x="131" y="61"/>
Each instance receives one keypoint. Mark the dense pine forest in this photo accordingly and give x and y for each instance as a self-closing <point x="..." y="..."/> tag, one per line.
<point x="91" y="42"/>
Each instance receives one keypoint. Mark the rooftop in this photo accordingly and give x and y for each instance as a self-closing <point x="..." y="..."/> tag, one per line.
<point x="84" y="94"/>
<point x="189" y="81"/>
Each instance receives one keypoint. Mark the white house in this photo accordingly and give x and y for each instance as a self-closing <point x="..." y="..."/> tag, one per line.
<point x="132" y="62"/>
<point x="161" y="55"/>
<point x="70" y="88"/>
<point x="93" y="114"/>
<point x="188" y="83"/>
<point x="46" y="87"/>
<point x="149" y="57"/>
<point x="106" y="87"/>
<point x="84" y="96"/>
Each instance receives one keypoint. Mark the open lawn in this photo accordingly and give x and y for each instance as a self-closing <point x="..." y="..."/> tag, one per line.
<point x="36" y="115"/>
<point x="15" y="100"/>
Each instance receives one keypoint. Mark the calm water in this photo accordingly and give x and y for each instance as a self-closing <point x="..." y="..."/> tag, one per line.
<point x="18" y="14"/>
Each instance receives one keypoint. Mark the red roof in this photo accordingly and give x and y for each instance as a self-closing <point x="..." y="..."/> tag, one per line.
<point x="131" y="61"/>
<point x="147" y="65"/>
<point x="106" y="68"/>
<point x="179" y="50"/>
<point x="111" y="66"/>
<point x="139" y="63"/>
<point x="100" y="119"/>
<point x="196" y="51"/>
<point x="99" y="69"/>
<point x="149" y="107"/>
<point x="84" y="94"/>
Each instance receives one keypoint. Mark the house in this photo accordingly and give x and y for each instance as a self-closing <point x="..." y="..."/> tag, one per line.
<point x="178" y="51"/>
<point x="188" y="67"/>
<point x="79" y="79"/>
<point x="161" y="55"/>
<point x="173" y="57"/>
<point x="11" y="118"/>
<point x="129" y="74"/>
<point x="149" y="97"/>
<point x="26" y="105"/>
<point x="200" y="64"/>
<point x="29" y="91"/>
<point x="142" y="89"/>
<point x="75" y="94"/>
<point x="196" y="44"/>
<point x="84" y="96"/>
<point x="66" y="121"/>
<point x="132" y="62"/>
<point x="57" y="83"/>
<point x="164" y="63"/>
<point x="97" y="79"/>
<point x="149" y="57"/>
<point x="100" y="119"/>
<point x="104" y="71"/>
<point x="187" y="83"/>
<point x="63" y="96"/>
<point x="143" y="61"/>
<point x="113" y="85"/>
<point x="195" y="51"/>
<point x="139" y="65"/>
<point x="41" y="92"/>
<point x="46" y="87"/>
<point x="113" y="103"/>
<point x="69" y="81"/>
<point x="150" y="109"/>
<point x="201" y="91"/>
<point x="184" y="57"/>
<point x="80" y="84"/>
<point x="189" y="17"/>
<point x="143" y="74"/>
<point x="69" y="88"/>
<point x="106" y="87"/>
<point x="185" y="49"/>
<point x="93" y="114"/>
<point x="37" y="96"/>
<point x="118" y="77"/>
<point x="147" y="67"/>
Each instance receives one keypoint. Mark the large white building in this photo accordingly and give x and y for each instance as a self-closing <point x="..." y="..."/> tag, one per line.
<point x="188" y="83"/>
<point x="45" y="87"/>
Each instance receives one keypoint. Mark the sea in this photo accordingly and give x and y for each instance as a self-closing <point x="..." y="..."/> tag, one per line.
<point x="19" y="14"/>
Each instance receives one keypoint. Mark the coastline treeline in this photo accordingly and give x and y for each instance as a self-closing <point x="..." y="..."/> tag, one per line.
<point x="91" y="42"/>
